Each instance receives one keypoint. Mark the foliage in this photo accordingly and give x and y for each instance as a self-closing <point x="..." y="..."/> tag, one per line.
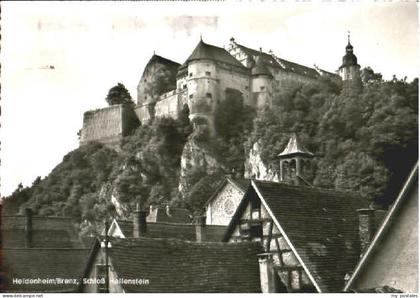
<point x="118" y="95"/>
<point x="365" y="141"/>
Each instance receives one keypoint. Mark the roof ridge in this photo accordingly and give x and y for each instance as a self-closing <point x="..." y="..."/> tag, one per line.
<point x="312" y="187"/>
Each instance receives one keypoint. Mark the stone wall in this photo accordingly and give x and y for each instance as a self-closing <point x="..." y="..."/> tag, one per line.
<point x="108" y="125"/>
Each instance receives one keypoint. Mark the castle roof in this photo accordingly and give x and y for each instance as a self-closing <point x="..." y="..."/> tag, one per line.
<point x="260" y="68"/>
<point x="295" y="147"/>
<point x="349" y="59"/>
<point x="211" y="52"/>
<point x="172" y="65"/>
<point x="285" y="65"/>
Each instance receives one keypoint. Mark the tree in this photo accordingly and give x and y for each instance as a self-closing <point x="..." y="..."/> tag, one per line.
<point x="118" y="95"/>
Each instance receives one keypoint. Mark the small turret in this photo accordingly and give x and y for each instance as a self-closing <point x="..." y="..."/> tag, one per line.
<point x="349" y="69"/>
<point x="295" y="162"/>
<point x="261" y="83"/>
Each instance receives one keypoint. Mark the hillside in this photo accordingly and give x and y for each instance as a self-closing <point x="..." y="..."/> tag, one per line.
<point x="365" y="140"/>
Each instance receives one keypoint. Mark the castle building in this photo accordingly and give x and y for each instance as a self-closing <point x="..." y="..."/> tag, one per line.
<point x="210" y="75"/>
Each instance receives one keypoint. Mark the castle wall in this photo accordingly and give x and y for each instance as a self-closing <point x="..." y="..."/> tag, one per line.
<point x="167" y="105"/>
<point x="235" y="80"/>
<point x="107" y="125"/>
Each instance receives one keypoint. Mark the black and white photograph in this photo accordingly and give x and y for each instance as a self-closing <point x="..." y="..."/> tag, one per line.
<point x="243" y="146"/>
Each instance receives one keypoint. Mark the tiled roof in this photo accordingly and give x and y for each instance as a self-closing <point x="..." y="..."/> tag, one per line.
<point x="176" y="215"/>
<point x="322" y="226"/>
<point x="282" y="64"/>
<point x="295" y="147"/>
<point x="174" y="231"/>
<point x="40" y="263"/>
<point x="260" y="67"/>
<point x="207" y="51"/>
<point x="52" y="232"/>
<point x="161" y="230"/>
<point x="242" y="183"/>
<point x="174" y="266"/>
<point x="214" y="233"/>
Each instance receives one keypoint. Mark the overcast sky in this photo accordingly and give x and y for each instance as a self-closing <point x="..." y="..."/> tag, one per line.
<point x="93" y="46"/>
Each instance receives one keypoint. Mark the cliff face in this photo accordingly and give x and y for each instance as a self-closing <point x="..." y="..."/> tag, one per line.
<point x="255" y="168"/>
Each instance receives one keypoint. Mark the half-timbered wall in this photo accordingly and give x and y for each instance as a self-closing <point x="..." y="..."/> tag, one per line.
<point x="256" y="224"/>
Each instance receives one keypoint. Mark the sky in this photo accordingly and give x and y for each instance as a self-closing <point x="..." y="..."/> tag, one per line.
<point x="95" y="45"/>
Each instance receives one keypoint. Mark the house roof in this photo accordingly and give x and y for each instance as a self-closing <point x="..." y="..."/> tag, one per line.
<point x="211" y="52"/>
<point x="174" y="266"/>
<point x="388" y="221"/>
<point x="174" y="231"/>
<point x="176" y="215"/>
<point x="322" y="226"/>
<point x="295" y="147"/>
<point x="42" y="263"/>
<point x="52" y="232"/>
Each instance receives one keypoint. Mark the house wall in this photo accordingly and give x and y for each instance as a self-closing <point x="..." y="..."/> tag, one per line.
<point x="287" y="266"/>
<point x="218" y="210"/>
<point x="114" y="287"/>
<point x="395" y="262"/>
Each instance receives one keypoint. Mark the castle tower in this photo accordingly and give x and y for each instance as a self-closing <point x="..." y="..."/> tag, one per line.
<point x="261" y="83"/>
<point x="295" y="162"/>
<point x="349" y="69"/>
<point x="207" y="76"/>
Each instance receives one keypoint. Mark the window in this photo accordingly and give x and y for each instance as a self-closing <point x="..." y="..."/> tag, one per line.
<point x="190" y="74"/>
<point x="256" y="231"/>
<point x="101" y="276"/>
<point x="208" y="95"/>
<point x="191" y="96"/>
<point x="246" y="88"/>
<point x="184" y="86"/>
<point x="262" y="88"/>
<point x="208" y="73"/>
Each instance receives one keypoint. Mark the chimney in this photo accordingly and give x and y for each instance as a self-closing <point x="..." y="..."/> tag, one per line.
<point x="267" y="274"/>
<point x="139" y="223"/>
<point x="28" y="227"/>
<point x="200" y="225"/>
<point x="168" y="210"/>
<point x="366" y="227"/>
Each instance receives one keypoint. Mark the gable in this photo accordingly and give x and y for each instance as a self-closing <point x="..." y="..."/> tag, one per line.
<point x="220" y="209"/>
<point x="288" y="268"/>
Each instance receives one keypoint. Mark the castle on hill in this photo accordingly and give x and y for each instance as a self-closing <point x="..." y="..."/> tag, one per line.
<point x="208" y="76"/>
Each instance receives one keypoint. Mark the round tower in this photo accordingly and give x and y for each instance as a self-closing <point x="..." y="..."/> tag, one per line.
<point x="261" y="82"/>
<point x="349" y="69"/>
